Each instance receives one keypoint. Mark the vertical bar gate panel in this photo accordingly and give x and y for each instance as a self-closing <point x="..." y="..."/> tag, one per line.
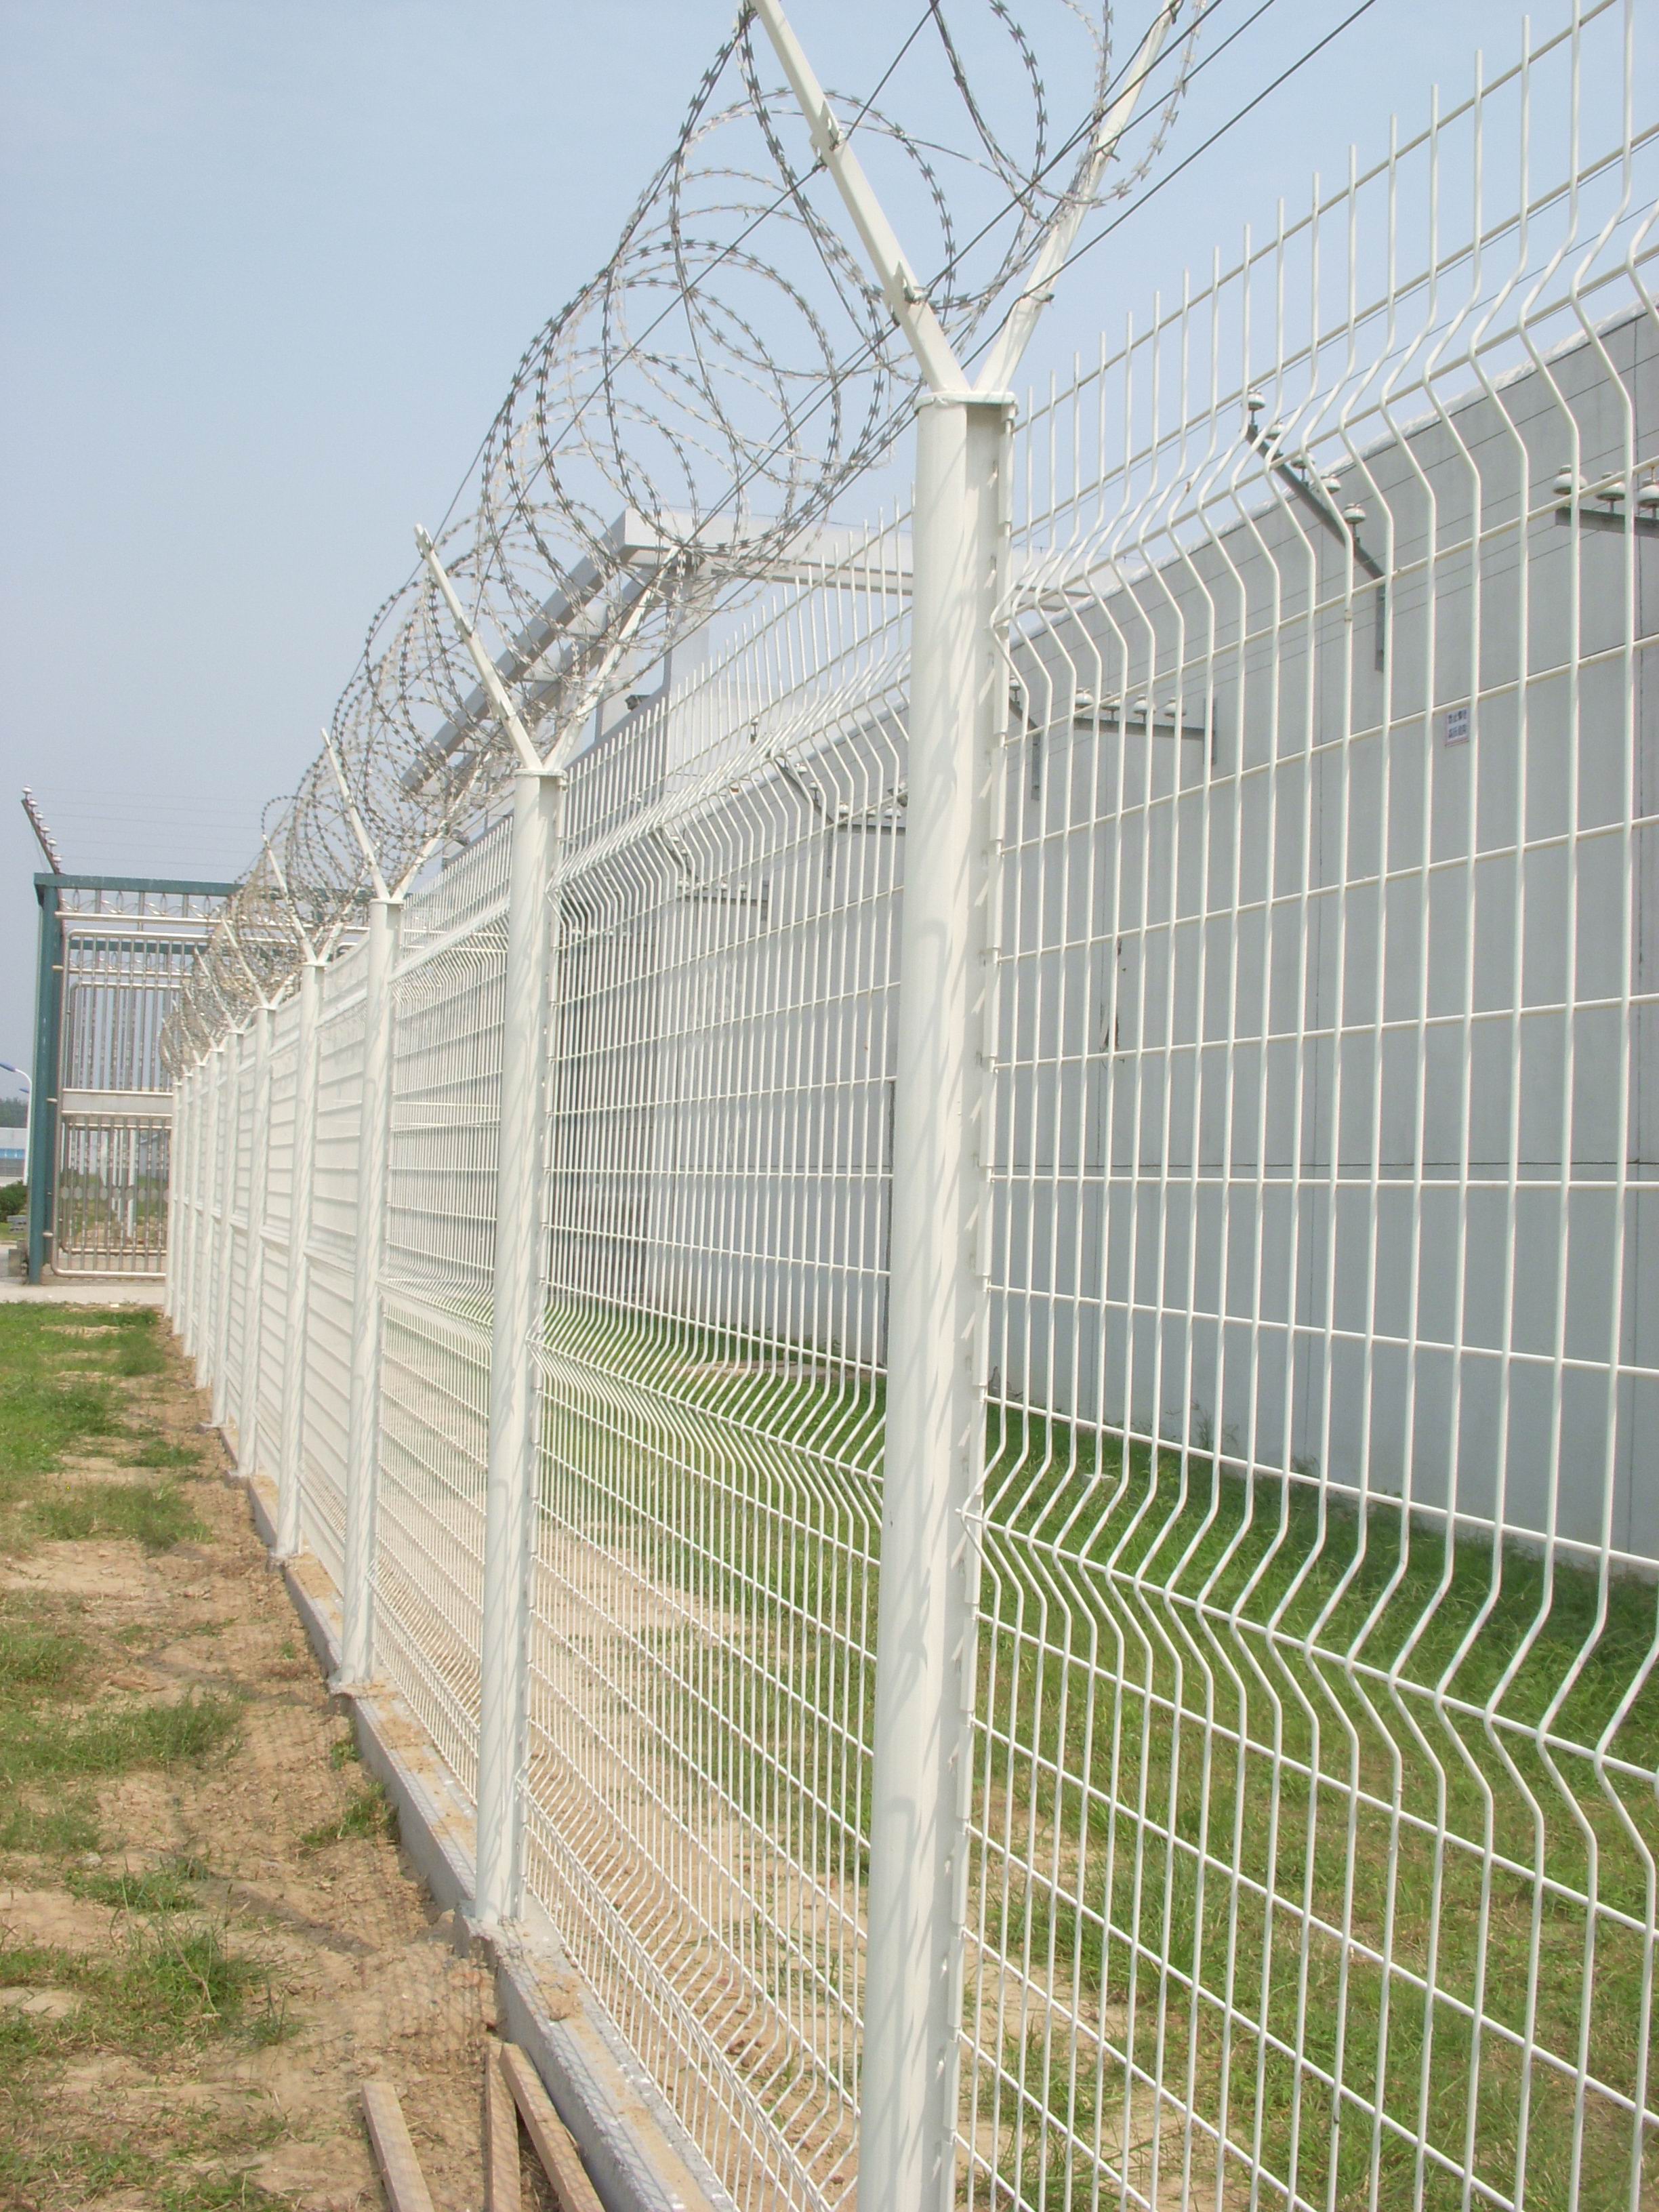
<point x="1312" y="1825"/>
<point x="124" y="949"/>
<point x="113" y="1132"/>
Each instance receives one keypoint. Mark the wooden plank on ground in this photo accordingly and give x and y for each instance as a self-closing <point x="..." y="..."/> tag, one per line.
<point x="394" y="2153"/>
<point x="502" y="2177"/>
<point x="572" y="2190"/>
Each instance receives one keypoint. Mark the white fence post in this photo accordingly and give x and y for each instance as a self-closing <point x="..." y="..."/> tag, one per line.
<point x="935" y="1416"/>
<point x="363" y="1420"/>
<point x="254" y="1292"/>
<point x="518" y="1303"/>
<point x="291" y="1474"/>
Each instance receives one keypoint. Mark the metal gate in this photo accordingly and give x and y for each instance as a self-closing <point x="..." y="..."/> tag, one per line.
<point x="114" y="954"/>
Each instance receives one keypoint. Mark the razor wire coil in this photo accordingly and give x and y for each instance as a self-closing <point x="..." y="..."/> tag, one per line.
<point x="695" y="410"/>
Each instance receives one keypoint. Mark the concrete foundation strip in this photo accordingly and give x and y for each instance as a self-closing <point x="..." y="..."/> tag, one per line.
<point x="394" y="2153"/>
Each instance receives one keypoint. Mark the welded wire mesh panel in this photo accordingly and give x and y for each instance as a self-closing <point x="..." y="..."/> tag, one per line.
<point x="1311" y="1823"/>
<point x="434" y="1440"/>
<point x="181" y="1202"/>
<point x="239" y="1346"/>
<point x="333" y="1258"/>
<point x="214" y="1302"/>
<point x="710" y="1373"/>
<point x="275" y="1229"/>
<point x="447" y="1016"/>
<point x="1315" y="1832"/>
<point x="446" y="1080"/>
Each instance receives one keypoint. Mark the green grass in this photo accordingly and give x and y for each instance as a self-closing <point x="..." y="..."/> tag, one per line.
<point x="50" y="1756"/>
<point x="1197" y="1693"/>
<point x="173" y="1981"/>
<point x="43" y="1420"/>
<point x="156" y="1514"/>
<point x="95" y="2167"/>
<point x="176" y="2159"/>
<point x="38" y="1747"/>
<point x="170" y="1888"/>
<point x="65" y="1823"/>
<point x="212" y="2192"/>
<point x="167" y="1985"/>
<point x="36" y="1660"/>
<point x="59" y="1393"/>
<point x="368" y="1815"/>
<point x="152" y="1450"/>
<point x="177" y="1986"/>
<point x="136" y="1351"/>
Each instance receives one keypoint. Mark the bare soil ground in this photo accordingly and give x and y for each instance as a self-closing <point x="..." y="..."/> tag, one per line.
<point x="208" y="1939"/>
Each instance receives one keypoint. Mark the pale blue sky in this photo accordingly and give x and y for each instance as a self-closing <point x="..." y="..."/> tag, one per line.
<point x="267" y="266"/>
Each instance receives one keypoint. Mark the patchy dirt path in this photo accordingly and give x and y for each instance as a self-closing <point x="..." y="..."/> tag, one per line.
<point x="207" y="1937"/>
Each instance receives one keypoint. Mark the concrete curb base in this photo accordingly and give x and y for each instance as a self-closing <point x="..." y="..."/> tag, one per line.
<point x="638" y="2156"/>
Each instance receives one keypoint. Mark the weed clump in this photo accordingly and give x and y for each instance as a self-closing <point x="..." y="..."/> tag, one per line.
<point x="65" y="1824"/>
<point x="169" y="1984"/>
<point x="154" y="1514"/>
<point x="36" y="1660"/>
<point x="367" y="1815"/>
<point x="36" y="1747"/>
<point x="170" y="1888"/>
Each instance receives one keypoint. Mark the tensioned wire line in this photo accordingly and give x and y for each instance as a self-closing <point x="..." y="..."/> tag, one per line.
<point x="764" y="214"/>
<point x="1168" y="176"/>
<point x="854" y="359"/>
<point x="812" y="404"/>
<point x="1012" y="205"/>
<point x="792" y="192"/>
<point x="829" y="384"/>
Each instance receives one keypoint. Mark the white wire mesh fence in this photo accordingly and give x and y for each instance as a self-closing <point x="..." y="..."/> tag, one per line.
<point x="1307" y="1849"/>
